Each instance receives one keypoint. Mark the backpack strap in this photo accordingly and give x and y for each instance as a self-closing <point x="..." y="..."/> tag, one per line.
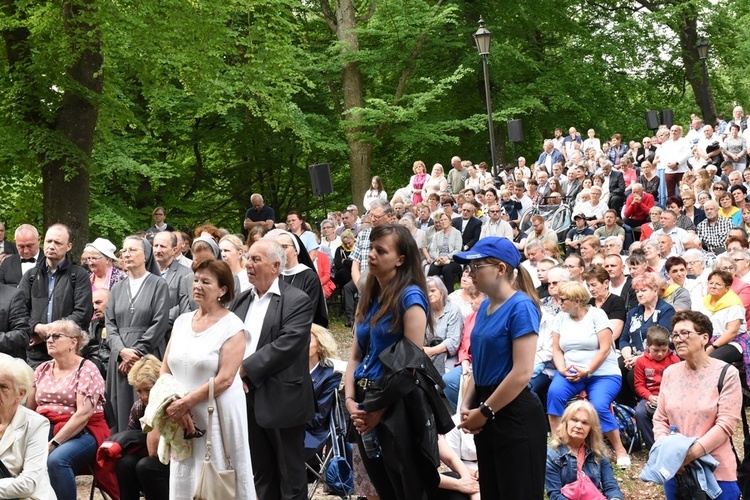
<point x="721" y="377"/>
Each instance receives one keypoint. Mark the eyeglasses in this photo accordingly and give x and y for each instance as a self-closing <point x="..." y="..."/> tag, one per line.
<point x="683" y="334"/>
<point x="719" y="188"/>
<point x="563" y="299"/>
<point x="727" y="268"/>
<point x="473" y="268"/>
<point x="92" y="259"/>
<point x="376" y="217"/>
<point x="569" y="266"/>
<point x="692" y="262"/>
<point x="555" y="283"/>
<point x="738" y="259"/>
<point x="55" y="337"/>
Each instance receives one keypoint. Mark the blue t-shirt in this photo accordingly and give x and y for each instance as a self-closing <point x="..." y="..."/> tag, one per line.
<point x="373" y="341"/>
<point x="493" y="335"/>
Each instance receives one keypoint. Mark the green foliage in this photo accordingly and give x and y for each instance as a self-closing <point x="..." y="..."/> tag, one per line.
<point x="207" y="102"/>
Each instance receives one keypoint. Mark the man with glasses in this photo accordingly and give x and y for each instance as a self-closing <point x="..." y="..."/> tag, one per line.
<point x="673" y="156"/>
<point x="380" y="214"/>
<point x="713" y="231"/>
<point x="742" y="259"/>
<point x="646" y="152"/>
<point x="496" y="226"/>
<point x="55" y="289"/>
<point x="470" y="226"/>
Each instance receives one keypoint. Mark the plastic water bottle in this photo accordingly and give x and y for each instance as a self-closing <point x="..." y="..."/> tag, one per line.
<point x="672" y="429"/>
<point x="371" y="443"/>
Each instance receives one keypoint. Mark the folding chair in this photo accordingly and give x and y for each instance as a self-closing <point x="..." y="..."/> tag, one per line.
<point x="335" y="445"/>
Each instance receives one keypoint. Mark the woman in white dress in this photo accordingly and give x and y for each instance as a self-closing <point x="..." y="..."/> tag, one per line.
<point x="436" y="183"/>
<point x="210" y="342"/>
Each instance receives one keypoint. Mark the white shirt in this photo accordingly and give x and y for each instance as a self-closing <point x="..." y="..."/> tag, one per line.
<point x="256" y="313"/>
<point x="674" y="152"/>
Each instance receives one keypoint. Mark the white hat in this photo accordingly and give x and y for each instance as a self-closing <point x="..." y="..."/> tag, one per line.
<point x="104" y="247"/>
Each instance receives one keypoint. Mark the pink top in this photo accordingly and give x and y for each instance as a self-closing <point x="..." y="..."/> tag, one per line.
<point x="59" y="396"/>
<point x="464" y="348"/>
<point x="705" y="414"/>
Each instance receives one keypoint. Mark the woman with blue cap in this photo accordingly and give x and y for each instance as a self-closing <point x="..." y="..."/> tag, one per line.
<point x="507" y="420"/>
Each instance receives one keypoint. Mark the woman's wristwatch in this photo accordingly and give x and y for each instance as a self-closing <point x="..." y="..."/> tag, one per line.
<point x="486" y="411"/>
<point x="55" y="443"/>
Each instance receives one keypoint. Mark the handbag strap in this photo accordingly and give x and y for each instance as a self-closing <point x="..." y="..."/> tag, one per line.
<point x="581" y="457"/>
<point x="213" y="405"/>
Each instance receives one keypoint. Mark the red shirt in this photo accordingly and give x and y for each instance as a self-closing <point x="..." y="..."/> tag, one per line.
<point x="647" y="373"/>
<point x="639" y="211"/>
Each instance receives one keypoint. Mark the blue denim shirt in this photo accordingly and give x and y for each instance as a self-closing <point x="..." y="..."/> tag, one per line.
<point x="562" y="469"/>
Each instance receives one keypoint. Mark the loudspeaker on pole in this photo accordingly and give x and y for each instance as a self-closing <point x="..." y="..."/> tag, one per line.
<point x="320" y="177"/>
<point x="515" y="130"/>
<point x="667" y="117"/>
<point x="652" y="120"/>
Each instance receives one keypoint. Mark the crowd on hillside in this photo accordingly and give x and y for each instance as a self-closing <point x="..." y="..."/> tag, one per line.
<point x="470" y="316"/>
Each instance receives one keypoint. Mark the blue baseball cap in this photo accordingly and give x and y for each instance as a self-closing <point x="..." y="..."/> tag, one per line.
<point x="491" y="246"/>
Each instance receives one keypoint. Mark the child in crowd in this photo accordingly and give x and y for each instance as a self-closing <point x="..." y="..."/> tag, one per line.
<point x="512" y="208"/>
<point x="647" y="375"/>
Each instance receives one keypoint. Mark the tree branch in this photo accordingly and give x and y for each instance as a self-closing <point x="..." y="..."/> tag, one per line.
<point x="369" y="14"/>
<point x="328" y="15"/>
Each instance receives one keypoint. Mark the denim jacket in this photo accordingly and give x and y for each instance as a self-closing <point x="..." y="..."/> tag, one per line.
<point x="562" y="469"/>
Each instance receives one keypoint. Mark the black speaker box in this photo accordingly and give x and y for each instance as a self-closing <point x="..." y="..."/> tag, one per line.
<point x="667" y="117"/>
<point x="652" y="120"/>
<point x="515" y="130"/>
<point x="320" y="177"/>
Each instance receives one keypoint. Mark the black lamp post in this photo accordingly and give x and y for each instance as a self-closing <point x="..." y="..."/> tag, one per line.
<point x="482" y="40"/>
<point x="702" y="48"/>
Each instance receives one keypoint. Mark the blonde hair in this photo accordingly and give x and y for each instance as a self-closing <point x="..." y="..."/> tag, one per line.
<point x="236" y="243"/>
<point x="594" y="441"/>
<point x="21" y="373"/>
<point x="70" y="329"/>
<point x="144" y="370"/>
<point x="575" y="291"/>
<point x="327" y="347"/>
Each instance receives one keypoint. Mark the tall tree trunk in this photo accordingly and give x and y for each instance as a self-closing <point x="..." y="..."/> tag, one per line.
<point x="65" y="178"/>
<point x="359" y="150"/>
<point x="704" y="96"/>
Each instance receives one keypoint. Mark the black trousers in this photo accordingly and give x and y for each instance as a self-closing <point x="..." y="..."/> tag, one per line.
<point x="350" y="300"/>
<point x="138" y="473"/>
<point x="278" y="457"/>
<point x="448" y="273"/>
<point x="512" y="449"/>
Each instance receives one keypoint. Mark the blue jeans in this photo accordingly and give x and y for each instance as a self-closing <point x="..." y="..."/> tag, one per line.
<point x="64" y="461"/>
<point x="730" y="490"/>
<point x="601" y="390"/>
<point x="452" y="381"/>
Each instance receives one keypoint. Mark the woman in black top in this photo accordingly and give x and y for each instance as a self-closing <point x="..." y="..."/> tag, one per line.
<point x="597" y="280"/>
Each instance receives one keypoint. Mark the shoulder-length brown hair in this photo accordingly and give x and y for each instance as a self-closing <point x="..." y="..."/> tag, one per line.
<point x="410" y="273"/>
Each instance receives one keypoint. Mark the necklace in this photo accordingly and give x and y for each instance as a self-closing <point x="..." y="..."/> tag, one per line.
<point x="132" y="300"/>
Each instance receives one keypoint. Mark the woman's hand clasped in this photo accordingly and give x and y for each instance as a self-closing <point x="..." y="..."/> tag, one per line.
<point x="177" y="411"/>
<point x="363" y="421"/>
<point x="472" y="421"/>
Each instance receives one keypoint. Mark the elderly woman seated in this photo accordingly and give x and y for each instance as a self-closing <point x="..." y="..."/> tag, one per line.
<point x="141" y="471"/>
<point x="69" y="391"/>
<point x="23" y="441"/>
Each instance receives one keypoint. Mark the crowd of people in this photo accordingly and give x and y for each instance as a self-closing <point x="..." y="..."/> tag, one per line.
<point x="463" y="324"/>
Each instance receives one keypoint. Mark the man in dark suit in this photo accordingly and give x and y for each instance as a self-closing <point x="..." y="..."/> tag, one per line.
<point x="178" y="277"/>
<point x="15" y="266"/>
<point x="14" y="322"/>
<point x="470" y="226"/>
<point x="616" y="183"/>
<point x="6" y="246"/>
<point x="573" y="186"/>
<point x="646" y="152"/>
<point x="280" y="398"/>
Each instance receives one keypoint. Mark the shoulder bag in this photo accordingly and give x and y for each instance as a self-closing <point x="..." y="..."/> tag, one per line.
<point x="583" y="488"/>
<point x="212" y="483"/>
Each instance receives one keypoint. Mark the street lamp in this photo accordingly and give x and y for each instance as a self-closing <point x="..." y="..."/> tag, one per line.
<point x="702" y="48"/>
<point x="482" y="40"/>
